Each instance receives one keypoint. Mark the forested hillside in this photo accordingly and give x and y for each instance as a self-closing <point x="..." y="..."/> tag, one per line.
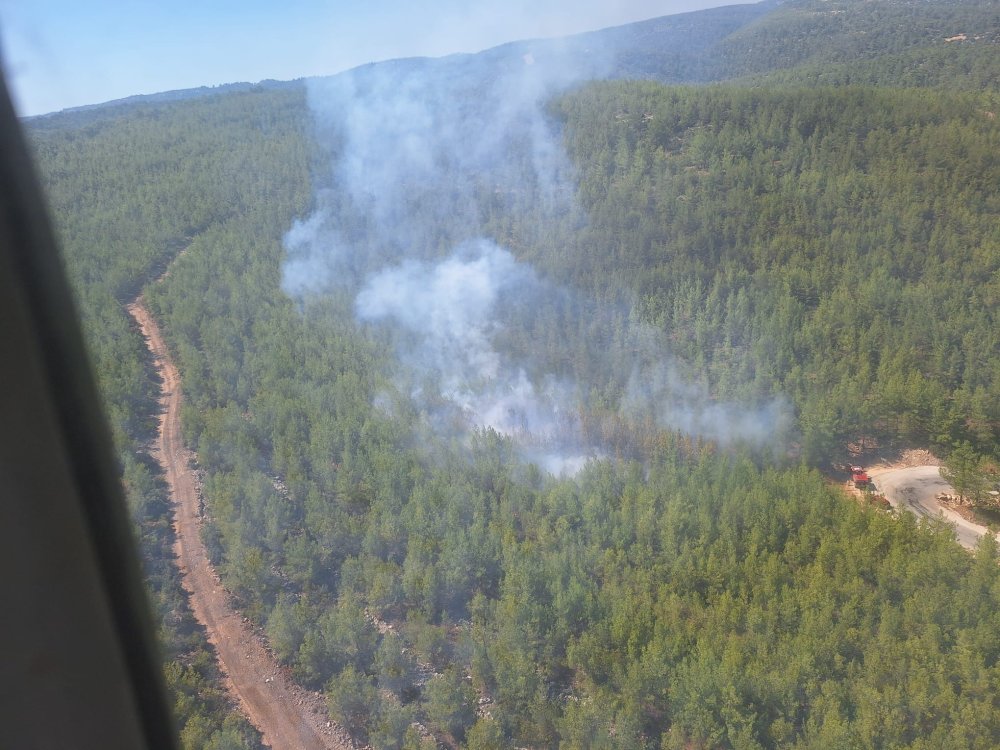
<point x="129" y="190"/>
<point x="813" y="33"/>
<point x="841" y="246"/>
<point x="834" y="251"/>
<point x="582" y="607"/>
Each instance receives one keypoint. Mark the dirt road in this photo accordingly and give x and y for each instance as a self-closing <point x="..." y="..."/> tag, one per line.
<point x="288" y="716"/>
<point x="915" y="488"/>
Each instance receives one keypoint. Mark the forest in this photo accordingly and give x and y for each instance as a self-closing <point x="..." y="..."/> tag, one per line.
<point x="839" y="246"/>
<point x="834" y="250"/>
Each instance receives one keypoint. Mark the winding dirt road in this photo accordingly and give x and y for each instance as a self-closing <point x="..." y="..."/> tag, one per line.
<point x="288" y="716"/>
<point x="915" y="488"/>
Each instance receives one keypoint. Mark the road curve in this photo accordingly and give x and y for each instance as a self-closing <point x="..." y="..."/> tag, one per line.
<point x="288" y="716"/>
<point x="915" y="488"/>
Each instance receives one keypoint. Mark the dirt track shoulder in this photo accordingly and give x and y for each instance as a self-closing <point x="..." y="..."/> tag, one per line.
<point x="288" y="716"/>
<point x="915" y="489"/>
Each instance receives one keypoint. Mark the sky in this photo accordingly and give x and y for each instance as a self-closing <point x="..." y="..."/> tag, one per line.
<point x="65" y="53"/>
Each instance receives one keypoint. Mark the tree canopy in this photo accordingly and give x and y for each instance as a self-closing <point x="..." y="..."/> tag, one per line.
<point x="836" y="247"/>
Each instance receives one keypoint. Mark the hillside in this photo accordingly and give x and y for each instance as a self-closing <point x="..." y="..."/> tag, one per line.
<point x="837" y="32"/>
<point x="899" y="43"/>
<point x="837" y="245"/>
<point x="128" y="193"/>
<point x="509" y="390"/>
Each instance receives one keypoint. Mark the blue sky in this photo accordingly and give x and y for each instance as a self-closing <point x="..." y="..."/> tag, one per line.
<point x="64" y="53"/>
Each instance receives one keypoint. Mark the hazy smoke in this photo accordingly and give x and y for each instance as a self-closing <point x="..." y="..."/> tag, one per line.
<point x="449" y="315"/>
<point x="424" y="154"/>
<point x="449" y="306"/>
<point x="657" y="389"/>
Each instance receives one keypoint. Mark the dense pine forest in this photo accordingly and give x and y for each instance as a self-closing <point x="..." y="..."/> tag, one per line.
<point x="840" y="246"/>
<point x="809" y="239"/>
<point x="129" y="194"/>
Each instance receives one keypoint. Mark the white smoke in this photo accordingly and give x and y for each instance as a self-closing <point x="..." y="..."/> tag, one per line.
<point x="448" y="306"/>
<point x="417" y="149"/>
<point x="448" y="313"/>
<point x="314" y="256"/>
<point x="656" y="388"/>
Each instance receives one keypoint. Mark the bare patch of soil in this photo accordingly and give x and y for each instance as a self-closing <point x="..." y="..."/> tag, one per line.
<point x="878" y="459"/>
<point x="963" y="510"/>
<point x="987" y="517"/>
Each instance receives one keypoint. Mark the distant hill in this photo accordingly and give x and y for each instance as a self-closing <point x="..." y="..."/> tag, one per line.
<point x="90" y="113"/>
<point x="910" y="43"/>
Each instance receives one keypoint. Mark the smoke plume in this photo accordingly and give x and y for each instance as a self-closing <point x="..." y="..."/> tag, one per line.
<point x="426" y="157"/>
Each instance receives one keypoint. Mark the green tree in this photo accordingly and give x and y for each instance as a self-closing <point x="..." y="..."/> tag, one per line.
<point x="963" y="470"/>
<point x="353" y="700"/>
<point x="451" y="702"/>
<point x="389" y="728"/>
<point x="396" y="667"/>
<point x="485" y="734"/>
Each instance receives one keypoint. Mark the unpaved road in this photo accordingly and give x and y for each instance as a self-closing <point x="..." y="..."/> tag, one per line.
<point x="288" y="717"/>
<point x="915" y="488"/>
